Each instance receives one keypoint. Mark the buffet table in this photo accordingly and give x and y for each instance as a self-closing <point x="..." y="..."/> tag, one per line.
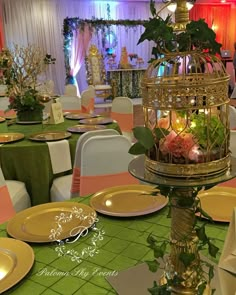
<point x="123" y="246"/>
<point x="29" y="161"/>
<point x="128" y="81"/>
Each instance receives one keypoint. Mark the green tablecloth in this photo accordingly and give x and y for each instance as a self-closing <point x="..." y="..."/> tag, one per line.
<point x="124" y="245"/>
<point x="29" y="161"/>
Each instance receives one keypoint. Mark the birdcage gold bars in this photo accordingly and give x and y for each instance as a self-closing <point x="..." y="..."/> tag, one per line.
<point x="185" y="103"/>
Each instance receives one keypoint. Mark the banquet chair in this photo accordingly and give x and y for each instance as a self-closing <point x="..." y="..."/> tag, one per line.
<point x="68" y="186"/>
<point x="104" y="163"/>
<point x="70" y="90"/>
<point x="232" y="117"/>
<point x="14" y="198"/>
<point x="70" y="103"/>
<point x="232" y="144"/>
<point x="122" y="111"/>
<point x="87" y="99"/>
<point x="4" y="103"/>
<point x="96" y="74"/>
<point x="233" y="94"/>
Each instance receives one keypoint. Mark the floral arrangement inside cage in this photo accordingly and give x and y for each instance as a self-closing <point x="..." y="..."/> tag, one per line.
<point x="185" y="102"/>
<point x="21" y="68"/>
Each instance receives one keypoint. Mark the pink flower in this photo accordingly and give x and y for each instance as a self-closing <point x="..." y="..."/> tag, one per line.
<point x="179" y="145"/>
<point x="163" y="123"/>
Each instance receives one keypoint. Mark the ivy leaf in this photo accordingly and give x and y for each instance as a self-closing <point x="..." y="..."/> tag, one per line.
<point x="201" y="233"/>
<point x="159" y="290"/>
<point x="212" y="249"/>
<point x="144" y="136"/>
<point x="161" y="132"/>
<point x="165" y="191"/>
<point x="151" y="241"/>
<point x="169" y="212"/>
<point x="153" y="265"/>
<point x="211" y="272"/>
<point x="154" y="290"/>
<point x="137" y="149"/>
<point x="201" y="288"/>
<point x="186" y="258"/>
<point x="158" y="252"/>
<point x="152" y="8"/>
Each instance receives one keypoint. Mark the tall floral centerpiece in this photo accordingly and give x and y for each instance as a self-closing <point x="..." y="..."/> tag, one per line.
<point x="185" y="140"/>
<point x="25" y="64"/>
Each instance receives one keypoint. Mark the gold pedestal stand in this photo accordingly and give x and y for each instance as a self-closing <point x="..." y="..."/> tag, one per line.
<point x="183" y="237"/>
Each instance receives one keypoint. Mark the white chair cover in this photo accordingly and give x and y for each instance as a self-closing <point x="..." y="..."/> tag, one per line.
<point x="232" y="117"/>
<point x="13" y="198"/>
<point x="104" y="163"/>
<point x="65" y="187"/>
<point x="70" y="102"/>
<point x="233" y="95"/>
<point x="4" y="103"/>
<point x="87" y="99"/>
<point x="232" y="145"/>
<point x="70" y="90"/>
<point x="122" y="110"/>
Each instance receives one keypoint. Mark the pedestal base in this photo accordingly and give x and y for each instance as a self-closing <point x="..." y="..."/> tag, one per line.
<point x="138" y="279"/>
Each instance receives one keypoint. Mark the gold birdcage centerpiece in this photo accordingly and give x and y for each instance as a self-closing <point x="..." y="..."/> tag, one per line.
<point x="185" y="142"/>
<point x="185" y="103"/>
<point x="185" y="99"/>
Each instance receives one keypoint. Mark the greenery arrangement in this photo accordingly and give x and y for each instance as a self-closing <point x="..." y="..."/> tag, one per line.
<point x="24" y="65"/>
<point x="197" y="35"/>
<point x="205" y="271"/>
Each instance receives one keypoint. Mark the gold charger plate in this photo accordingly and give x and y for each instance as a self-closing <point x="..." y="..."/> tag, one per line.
<point x="127" y="200"/>
<point x="16" y="259"/>
<point x="50" y="136"/>
<point x="28" y="122"/>
<point x="2" y="119"/>
<point x="98" y="120"/>
<point x="10" y="137"/>
<point x="36" y="223"/>
<point x="219" y="202"/>
<point x="85" y="128"/>
<point x="10" y="117"/>
<point x="80" y="116"/>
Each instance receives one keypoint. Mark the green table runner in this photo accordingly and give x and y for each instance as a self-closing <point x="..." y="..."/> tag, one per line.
<point x="29" y="161"/>
<point x="123" y="246"/>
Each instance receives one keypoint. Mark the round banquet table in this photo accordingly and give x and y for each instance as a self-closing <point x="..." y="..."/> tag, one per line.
<point x="29" y="161"/>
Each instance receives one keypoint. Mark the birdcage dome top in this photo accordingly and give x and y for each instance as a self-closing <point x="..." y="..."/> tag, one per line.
<point x="174" y="80"/>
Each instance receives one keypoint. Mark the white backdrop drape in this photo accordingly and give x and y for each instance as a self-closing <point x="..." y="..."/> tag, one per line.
<point x="40" y="22"/>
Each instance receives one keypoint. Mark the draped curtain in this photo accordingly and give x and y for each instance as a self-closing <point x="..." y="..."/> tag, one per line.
<point x="1" y="30"/>
<point x="79" y="46"/>
<point x="218" y="18"/>
<point x="40" y="22"/>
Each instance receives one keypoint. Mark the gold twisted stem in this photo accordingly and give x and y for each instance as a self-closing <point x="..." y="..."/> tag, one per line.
<point x="183" y="240"/>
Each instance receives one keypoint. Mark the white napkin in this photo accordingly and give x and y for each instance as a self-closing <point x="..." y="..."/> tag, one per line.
<point x="228" y="256"/>
<point x="60" y="155"/>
